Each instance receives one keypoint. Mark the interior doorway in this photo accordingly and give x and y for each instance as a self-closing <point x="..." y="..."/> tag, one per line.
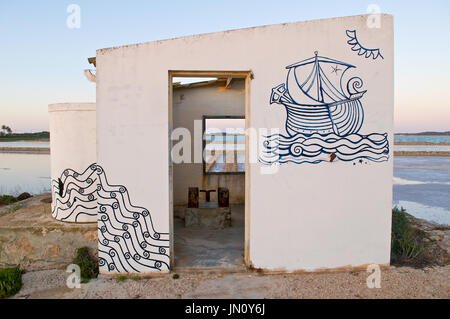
<point x="209" y="178"/>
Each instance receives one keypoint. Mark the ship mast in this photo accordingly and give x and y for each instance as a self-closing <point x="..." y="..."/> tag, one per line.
<point x="320" y="93"/>
<point x="318" y="78"/>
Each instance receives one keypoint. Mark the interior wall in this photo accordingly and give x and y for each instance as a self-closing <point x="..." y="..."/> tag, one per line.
<point x="190" y="104"/>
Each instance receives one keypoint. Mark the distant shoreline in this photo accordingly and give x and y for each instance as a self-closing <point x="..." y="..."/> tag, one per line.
<point x="43" y="136"/>
<point x="447" y="133"/>
<point x="421" y="153"/>
<point x="25" y="150"/>
<point x="19" y="139"/>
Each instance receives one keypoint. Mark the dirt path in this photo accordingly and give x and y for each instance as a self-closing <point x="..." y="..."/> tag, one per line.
<point x="402" y="282"/>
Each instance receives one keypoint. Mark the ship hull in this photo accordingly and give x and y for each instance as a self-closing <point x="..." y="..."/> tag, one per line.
<point x="341" y="119"/>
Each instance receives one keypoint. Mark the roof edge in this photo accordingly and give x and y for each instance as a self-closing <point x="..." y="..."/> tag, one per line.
<point x="107" y="49"/>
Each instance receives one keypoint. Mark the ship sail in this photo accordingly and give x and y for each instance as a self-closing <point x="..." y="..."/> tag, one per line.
<point x="307" y="78"/>
<point x="316" y="102"/>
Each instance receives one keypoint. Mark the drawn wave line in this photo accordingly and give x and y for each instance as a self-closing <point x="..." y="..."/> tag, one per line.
<point x="128" y="240"/>
<point x="317" y="148"/>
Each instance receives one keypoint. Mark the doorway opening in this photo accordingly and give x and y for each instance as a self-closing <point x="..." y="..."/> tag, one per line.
<point x="209" y="177"/>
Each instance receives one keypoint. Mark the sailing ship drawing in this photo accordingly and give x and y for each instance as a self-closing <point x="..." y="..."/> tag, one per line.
<point x="324" y="115"/>
<point x="317" y="104"/>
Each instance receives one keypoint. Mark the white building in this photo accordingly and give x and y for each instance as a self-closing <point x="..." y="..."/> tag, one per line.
<point x="317" y="99"/>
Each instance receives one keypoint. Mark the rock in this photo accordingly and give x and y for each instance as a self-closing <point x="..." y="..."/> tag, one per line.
<point x="22" y="247"/>
<point x="440" y="233"/>
<point x="52" y="251"/>
<point x="445" y="242"/>
<point x="23" y="196"/>
<point x="436" y="235"/>
<point x="91" y="235"/>
<point x="32" y="238"/>
<point x="47" y="200"/>
<point x="446" y="248"/>
<point x="435" y="238"/>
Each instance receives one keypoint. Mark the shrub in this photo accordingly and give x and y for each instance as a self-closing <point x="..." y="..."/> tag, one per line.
<point x="7" y="199"/>
<point x="14" y="208"/>
<point x="88" y="264"/>
<point x="10" y="281"/>
<point x="405" y="241"/>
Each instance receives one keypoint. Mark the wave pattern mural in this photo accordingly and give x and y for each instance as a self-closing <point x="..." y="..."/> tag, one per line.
<point x="317" y="148"/>
<point x="128" y="241"/>
<point x="75" y="196"/>
<point x="127" y="238"/>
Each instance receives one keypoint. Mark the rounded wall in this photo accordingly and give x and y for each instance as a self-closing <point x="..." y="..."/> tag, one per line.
<point x="72" y="151"/>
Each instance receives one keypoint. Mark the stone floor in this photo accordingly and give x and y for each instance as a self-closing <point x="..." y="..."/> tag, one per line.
<point x="202" y="248"/>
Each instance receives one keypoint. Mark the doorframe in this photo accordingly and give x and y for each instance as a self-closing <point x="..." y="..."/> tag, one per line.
<point x="248" y="76"/>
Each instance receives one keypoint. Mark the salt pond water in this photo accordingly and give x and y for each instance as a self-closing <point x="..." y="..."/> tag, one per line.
<point x="434" y="147"/>
<point x="25" y="144"/>
<point x="422" y="187"/>
<point x="422" y="138"/>
<point x="24" y="173"/>
<point x="422" y="148"/>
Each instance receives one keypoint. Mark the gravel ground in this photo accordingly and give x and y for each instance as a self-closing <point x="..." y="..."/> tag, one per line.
<point x="401" y="282"/>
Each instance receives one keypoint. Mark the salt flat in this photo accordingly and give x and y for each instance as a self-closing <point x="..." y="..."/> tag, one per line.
<point x="422" y="187"/>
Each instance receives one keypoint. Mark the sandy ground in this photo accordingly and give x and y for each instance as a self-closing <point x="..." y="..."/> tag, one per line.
<point x="401" y="282"/>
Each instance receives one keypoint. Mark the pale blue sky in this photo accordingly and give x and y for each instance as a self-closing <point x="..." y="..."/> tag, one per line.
<point x="42" y="60"/>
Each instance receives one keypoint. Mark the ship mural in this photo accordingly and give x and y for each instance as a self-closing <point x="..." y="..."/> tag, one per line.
<point x="324" y="115"/>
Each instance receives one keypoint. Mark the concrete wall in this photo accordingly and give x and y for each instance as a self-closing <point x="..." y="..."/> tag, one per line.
<point x="72" y="147"/>
<point x="190" y="104"/>
<point x="308" y="216"/>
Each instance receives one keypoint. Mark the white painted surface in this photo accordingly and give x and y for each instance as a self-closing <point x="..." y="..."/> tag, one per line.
<point x="72" y="145"/>
<point x="305" y="217"/>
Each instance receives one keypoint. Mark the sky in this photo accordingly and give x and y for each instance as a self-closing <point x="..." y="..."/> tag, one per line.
<point x="42" y="59"/>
